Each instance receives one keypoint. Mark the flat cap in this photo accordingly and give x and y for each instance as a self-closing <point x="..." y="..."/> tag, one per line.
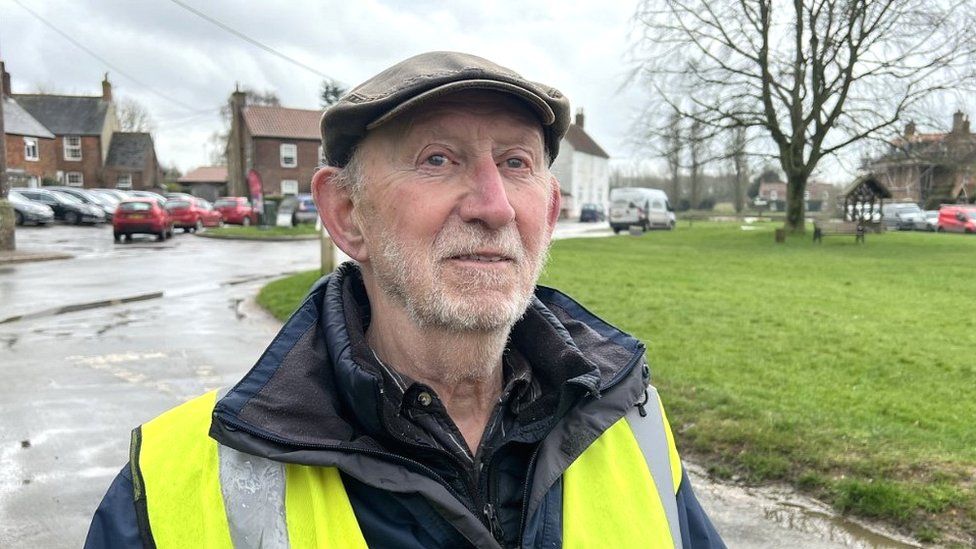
<point x="425" y="77"/>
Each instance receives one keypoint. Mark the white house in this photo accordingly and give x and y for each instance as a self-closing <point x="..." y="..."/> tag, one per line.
<point x="583" y="170"/>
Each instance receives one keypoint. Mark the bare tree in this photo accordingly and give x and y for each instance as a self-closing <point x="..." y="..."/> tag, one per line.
<point x="696" y="160"/>
<point x="133" y="116"/>
<point x="672" y="153"/>
<point x="740" y="166"/>
<point x="814" y="75"/>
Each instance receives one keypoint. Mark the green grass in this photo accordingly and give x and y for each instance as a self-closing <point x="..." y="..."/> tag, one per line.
<point x="847" y="370"/>
<point x="284" y="295"/>
<point x="256" y="232"/>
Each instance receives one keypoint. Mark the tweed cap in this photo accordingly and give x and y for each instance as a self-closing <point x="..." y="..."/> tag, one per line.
<point x="423" y="78"/>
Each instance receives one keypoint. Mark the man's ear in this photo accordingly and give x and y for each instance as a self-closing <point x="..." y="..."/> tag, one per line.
<point x="335" y="208"/>
<point x="555" y="203"/>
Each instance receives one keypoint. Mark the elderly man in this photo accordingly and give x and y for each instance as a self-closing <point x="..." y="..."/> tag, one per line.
<point x="427" y="394"/>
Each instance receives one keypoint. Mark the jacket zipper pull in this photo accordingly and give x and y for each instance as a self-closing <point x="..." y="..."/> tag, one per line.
<point x="640" y="405"/>
<point x="493" y="523"/>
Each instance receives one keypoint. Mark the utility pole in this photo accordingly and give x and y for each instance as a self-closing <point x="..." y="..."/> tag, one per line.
<point x="7" y="240"/>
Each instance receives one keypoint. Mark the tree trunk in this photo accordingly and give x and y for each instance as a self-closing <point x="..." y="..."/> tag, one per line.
<point x="796" y="187"/>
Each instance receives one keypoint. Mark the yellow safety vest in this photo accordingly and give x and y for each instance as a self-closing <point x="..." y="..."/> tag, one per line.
<point x="200" y="494"/>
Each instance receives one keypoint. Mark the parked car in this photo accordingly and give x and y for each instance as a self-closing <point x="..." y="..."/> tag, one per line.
<point x="957" y="219"/>
<point x="118" y="194"/>
<point x="647" y="208"/>
<point x="66" y="207"/>
<point x="237" y="210"/>
<point x="300" y="207"/>
<point x="160" y="199"/>
<point x="931" y="221"/>
<point x="141" y="216"/>
<point x="28" y="211"/>
<point x="592" y="212"/>
<point x="88" y="197"/>
<point x="193" y="214"/>
<point x="901" y="217"/>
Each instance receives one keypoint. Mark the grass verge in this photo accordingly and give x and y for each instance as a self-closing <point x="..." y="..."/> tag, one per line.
<point x="844" y="369"/>
<point x="257" y="232"/>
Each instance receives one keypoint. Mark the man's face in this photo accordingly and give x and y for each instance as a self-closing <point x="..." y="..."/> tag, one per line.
<point x="457" y="211"/>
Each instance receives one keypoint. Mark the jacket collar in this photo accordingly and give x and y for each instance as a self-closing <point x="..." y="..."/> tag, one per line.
<point x="318" y="384"/>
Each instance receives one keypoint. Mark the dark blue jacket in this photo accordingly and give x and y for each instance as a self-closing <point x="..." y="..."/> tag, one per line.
<point x="317" y="386"/>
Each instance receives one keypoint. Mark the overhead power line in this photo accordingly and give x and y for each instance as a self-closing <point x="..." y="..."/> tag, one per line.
<point x="82" y="47"/>
<point x="249" y="40"/>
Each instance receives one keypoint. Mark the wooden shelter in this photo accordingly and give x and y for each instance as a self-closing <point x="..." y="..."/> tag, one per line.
<point x="863" y="200"/>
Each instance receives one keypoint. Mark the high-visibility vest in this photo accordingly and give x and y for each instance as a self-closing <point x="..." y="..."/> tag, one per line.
<point x="620" y="492"/>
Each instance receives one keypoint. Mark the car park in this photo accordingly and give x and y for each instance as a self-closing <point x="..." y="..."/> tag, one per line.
<point x="192" y="214"/>
<point x="27" y="211"/>
<point x="236" y="210"/>
<point x="118" y="194"/>
<point x="107" y="206"/>
<point x="592" y="212"/>
<point x="901" y="216"/>
<point x="66" y="207"/>
<point x="957" y="219"/>
<point x="141" y="216"/>
<point x="298" y="208"/>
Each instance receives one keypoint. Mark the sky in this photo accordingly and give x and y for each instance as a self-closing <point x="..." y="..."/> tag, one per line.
<point x="182" y="68"/>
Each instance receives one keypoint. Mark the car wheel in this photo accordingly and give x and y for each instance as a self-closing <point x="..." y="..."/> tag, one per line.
<point x="941" y="229"/>
<point x="294" y="220"/>
<point x="161" y="235"/>
<point x="246" y="222"/>
<point x="616" y="230"/>
<point x="198" y="227"/>
<point x="18" y="218"/>
<point x="118" y="237"/>
<point x="72" y="218"/>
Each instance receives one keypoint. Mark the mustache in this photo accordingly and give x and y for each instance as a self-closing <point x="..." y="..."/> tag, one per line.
<point x="471" y="238"/>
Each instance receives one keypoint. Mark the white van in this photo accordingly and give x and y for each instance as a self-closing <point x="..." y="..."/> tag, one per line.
<point x="646" y="208"/>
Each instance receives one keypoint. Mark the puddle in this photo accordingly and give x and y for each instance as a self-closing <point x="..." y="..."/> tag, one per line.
<point x="777" y="516"/>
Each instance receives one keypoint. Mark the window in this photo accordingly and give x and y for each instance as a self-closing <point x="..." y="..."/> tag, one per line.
<point x="289" y="155"/>
<point x="773" y="195"/>
<point x="289" y="186"/>
<point x="124" y="181"/>
<point x="75" y="179"/>
<point x="72" y="147"/>
<point x="30" y="148"/>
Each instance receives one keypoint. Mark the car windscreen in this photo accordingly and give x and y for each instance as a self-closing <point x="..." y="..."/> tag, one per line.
<point x="65" y="198"/>
<point x="18" y="198"/>
<point x="176" y="204"/>
<point x="225" y="204"/>
<point x="626" y="196"/>
<point x="135" y="206"/>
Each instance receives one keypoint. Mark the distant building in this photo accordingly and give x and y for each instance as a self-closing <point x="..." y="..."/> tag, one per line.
<point x="209" y="182"/>
<point x="75" y="140"/>
<point x="30" y="147"/>
<point x="818" y="196"/>
<point x="583" y="170"/>
<point x="930" y="168"/>
<point x="282" y="145"/>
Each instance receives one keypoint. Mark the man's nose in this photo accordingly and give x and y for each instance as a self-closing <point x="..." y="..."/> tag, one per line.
<point x="487" y="199"/>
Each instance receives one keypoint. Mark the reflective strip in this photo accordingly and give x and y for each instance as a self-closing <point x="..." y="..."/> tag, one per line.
<point x="253" y="489"/>
<point x="319" y="512"/>
<point x="654" y="437"/>
<point x="178" y="460"/>
<point x="610" y="498"/>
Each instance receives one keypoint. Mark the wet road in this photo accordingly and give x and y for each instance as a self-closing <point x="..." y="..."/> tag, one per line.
<point x="76" y="383"/>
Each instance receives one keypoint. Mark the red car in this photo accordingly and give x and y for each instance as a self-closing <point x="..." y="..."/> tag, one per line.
<point x="193" y="214"/>
<point x="141" y="216"/>
<point x="957" y="219"/>
<point x="236" y="210"/>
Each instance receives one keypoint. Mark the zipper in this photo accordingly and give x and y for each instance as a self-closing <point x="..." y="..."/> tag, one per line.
<point x="535" y="453"/>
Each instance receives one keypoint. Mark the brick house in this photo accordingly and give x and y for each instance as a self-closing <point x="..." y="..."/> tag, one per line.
<point x="131" y="162"/>
<point x="818" y="196"/>
<point x="83" y="128"/>
<point x="930" y="168"/>
<point x="209" y="182"/>
<point x="583" y="170"/>
<point x="30" y="147"/>
<point x="282" y="145"/>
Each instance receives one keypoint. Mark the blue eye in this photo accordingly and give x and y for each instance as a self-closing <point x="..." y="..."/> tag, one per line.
<point x="515" y="163"/>
<point x="437" y="160"/>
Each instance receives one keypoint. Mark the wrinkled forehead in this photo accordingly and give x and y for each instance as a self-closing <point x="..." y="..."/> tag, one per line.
<point x="436" y="116"/>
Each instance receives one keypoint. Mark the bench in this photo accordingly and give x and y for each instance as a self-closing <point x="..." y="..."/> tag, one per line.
<point x="854" y="228"/>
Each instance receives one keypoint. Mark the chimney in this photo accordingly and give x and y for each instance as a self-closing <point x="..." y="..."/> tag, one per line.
<point x="910" y="129"/>
<point x="579" y="118"/>
<point x="106" y="89"/>
<point x="957" y="120"/>
<point x="6" y="80"/>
